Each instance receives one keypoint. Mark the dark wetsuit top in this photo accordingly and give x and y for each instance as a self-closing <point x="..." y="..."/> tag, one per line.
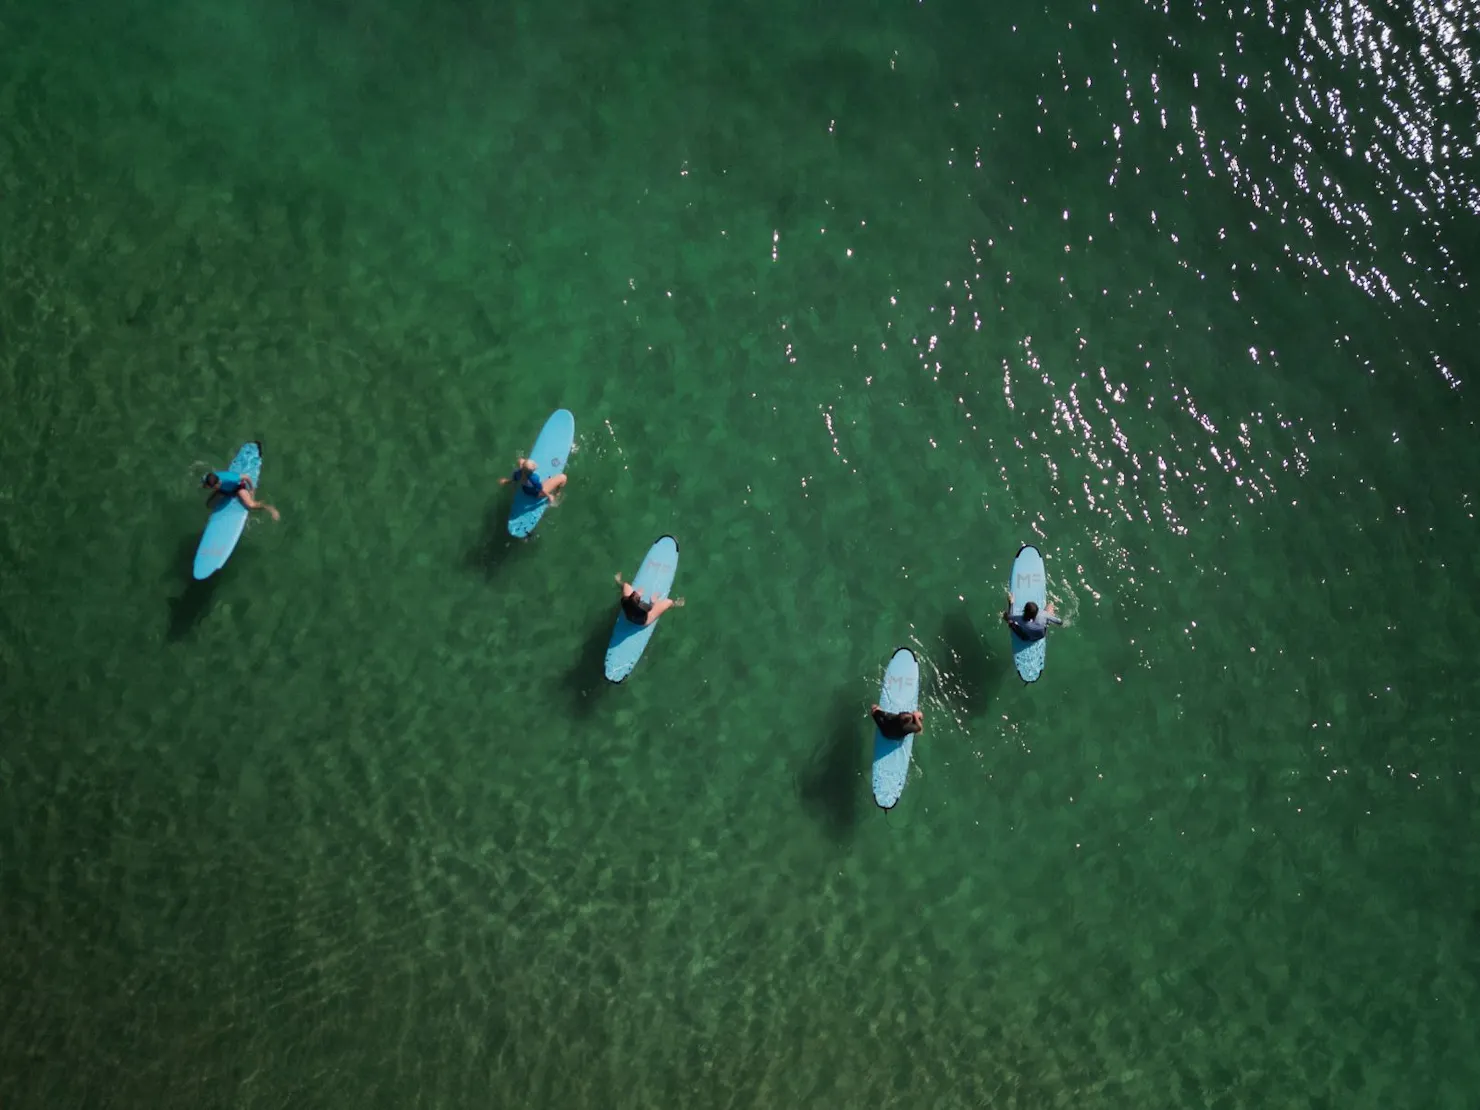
<point x="1035" y="629"/>
<point x="634" y="610"/>
<point x="894" y="726"/>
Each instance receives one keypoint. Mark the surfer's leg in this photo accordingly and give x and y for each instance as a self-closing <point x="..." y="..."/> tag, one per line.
<point x="551" y="487"/>
<point x="660" y="606"/>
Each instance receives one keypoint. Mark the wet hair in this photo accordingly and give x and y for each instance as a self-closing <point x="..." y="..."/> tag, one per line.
<point x="1030" y="610"/>
<point x="211" y="480"/>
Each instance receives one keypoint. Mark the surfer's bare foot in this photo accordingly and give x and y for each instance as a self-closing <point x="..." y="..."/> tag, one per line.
<point x="274" y="513"/>
<point x="619" y="578"/>
<point x="678" y="603"/>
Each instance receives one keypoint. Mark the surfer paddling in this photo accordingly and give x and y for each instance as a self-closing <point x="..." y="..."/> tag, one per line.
<point x="641" y="610"/>
<point x="228" y="483"/>
<point x="896" y="726"/>
<point x="1033" y="624"/>
<point x="527" y="474"/>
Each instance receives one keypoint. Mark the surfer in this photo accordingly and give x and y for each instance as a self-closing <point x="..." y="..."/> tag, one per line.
<point x="527" y="474"/>
<point x="644" y="611"/>
<point x="896" y="726"/>
<point x="1033" y="624"/>
<point x="228" y="483"/>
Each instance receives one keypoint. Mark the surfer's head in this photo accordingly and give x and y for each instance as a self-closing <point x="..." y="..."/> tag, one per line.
<point x="1030" y="610"/>
<point x="210" y="481"/>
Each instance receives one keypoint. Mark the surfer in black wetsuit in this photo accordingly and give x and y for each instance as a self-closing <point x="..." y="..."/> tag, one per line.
<point x="896" y="726"/>
<point x="644" y="610"/>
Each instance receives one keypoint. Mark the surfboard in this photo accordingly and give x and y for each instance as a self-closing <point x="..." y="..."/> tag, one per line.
<point x="654" y="579"/>
<point x="1029" y="583"/>
<point x="228" y="516"/>
<point x="550" y="451"/>
<point x="899" y="693"/>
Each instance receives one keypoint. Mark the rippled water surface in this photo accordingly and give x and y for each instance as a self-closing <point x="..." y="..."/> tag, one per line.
<point x="854" y="303"/>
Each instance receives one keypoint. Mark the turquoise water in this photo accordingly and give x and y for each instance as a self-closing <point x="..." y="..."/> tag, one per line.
<point x="853" y="303"/>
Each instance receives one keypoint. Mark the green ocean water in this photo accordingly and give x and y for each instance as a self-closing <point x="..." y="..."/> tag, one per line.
<point x="853" y="302"/>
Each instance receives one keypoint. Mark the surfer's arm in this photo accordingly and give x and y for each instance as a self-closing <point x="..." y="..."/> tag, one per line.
<point x="1049" y="618"/>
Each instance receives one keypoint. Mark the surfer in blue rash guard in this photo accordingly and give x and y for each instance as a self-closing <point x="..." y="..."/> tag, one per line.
<point x="1033" y="624"/>
<point x="896" y="726"/>
<point x="528" y="476"/>
<point x="227" y="483"/>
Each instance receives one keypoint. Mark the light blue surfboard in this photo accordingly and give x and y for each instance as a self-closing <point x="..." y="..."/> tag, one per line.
<point x="1029" y="583"/>
<point x="900" y="693"/>
<point x="654" y="579"/>
<point x="550" y="451"/>
<point x="228" y="516"/>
